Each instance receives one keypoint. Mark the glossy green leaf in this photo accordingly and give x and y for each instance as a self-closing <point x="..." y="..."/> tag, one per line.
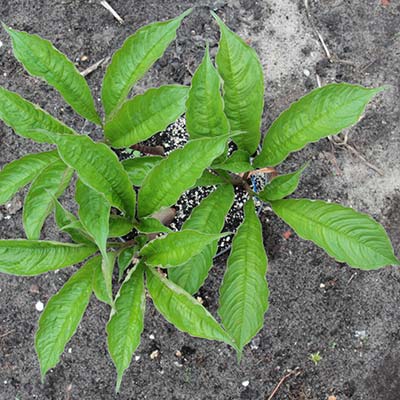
<point x="27" y="119"/>
<point x="119" y="226"/>
<point x="244" y="290"/>
<point x="238" y="162"/>
<point x="67" y="222"/>
<point x="138" y="167"/>
<point x="178" y="172"/>
<point x="207" y="217"/>
<point x="98" y="167"/>
<point x="151" y="225"/>
<point x="134" y="58"/>
<point x="61" y="317"/>
<point x="19" y="173"/>
<point x="94" y="213"/>
<point x="34" y="257"/>
<point x="127" y="321"/>
<point x="99" y="284"/>
<point x="241" y="71"/>
<point x="176" y="248"/>
<point x="40" y="58"/>
<point x="39" y="201"/>
<point x="324" y="111"/>
<point x="281" y="186"/>
<point x="107" y="267"/>
<point x="125" y="260"/>
<point x="205" y="108"/>
<point x="145" y="115"/>
<point x="180" y="309"/>
<point x="345" y="234"/>
<point x="209" y="179"/>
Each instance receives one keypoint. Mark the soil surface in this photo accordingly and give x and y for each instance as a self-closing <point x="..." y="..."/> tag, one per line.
<point x="316" y="305"/>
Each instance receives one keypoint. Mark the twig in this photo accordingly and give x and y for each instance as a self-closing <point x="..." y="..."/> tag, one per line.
<point x="153" y="150"/>
<point x="7" y="333"/>
<point x="105" y="4"/>
<point x="295" y="372"/>
<point x="93" y="67"/>
<point x="351" y="278"/>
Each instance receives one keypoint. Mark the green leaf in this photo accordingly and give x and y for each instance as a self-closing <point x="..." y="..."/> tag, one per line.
<point x="27" y="119"/>
<point x="145" y="115"/>
<point x="209" y="179"/>
<point x="208" y="217"/>
<point x="281" y="186"/>
<point x="176" y="248"/>
<point x="178" y="172"/>
<point x="119" y="226"/>
<point x="241" y="71"/>
<point x="94" y="212"/>
<point x="345" y="234"/>
<point x="98" y="167"/>
<point x="39" y="201"/>
<point x="238" y="162"/>
<point x="182" y="310"/>
<point x="107" y="267"/>
<point x="61" y="317"/>
<point x="323" y="112"/>
<point x="40" y="58"/>
<point x="67" y="222"/>
<point x="134" y="58"/>
<point x="127" y="322"/>
<point x="205" y="108"/>
<point x="244" y="290"/>
<point x="151" y="225"/>
<point x="19" y="173"/>
<point x="34" y="257"/>
<point x="125" y="260"/>
<point x="99" y="284"/>
<point x="138" y="167"/>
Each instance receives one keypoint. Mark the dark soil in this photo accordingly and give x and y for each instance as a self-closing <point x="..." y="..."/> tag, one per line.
<point x="316" y="305"/>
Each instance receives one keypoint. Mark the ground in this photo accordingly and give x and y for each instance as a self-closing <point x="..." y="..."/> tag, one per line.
<point x="316" y="305"/>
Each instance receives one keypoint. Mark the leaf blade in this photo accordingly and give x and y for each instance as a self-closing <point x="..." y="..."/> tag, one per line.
<point x="205" y="107"/>
<point x="145" y="115"/>
<point x="127" y="322"/>
<point x="176" y="248"/>
<point x="19" y="173"/>
<point x="207" y="217"/>
<point x="98" y="167"/>
<point x="176" y="173"/>
<point x="40" y="58"/>
<point x="94" y="212"/>
<point x="182" y="310"/>
<point x="134" y="58"/>
<point x="39" y="201"/>
<point x="281" y="186"/>
<point x="324" y="111"/>
<point x="61" y="318"/>
<point x="241" y="71"/>
<point x="33" y="257"/>
<point x="27" y="119"/>
<point x="346" y="235"/>
<point x="244" y="290"/>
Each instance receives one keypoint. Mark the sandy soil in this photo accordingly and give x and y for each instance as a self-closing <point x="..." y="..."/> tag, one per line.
<point x="350" y="317"/>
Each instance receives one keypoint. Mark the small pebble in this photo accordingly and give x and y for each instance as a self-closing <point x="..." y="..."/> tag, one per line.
<point x="306" y="72"/>
<point x="179" y="365"/>
<point x="245" y="383"/>
<point x="137" y="358"/>
<point x="39" y="306"/>
<point x="322" y="285"/>
<point x="152" y="337"/>
<point x="70" y="350"/>
<point x="200" y="300"/>
<point x="84" y="58"/>
<point x="178" y="353"/>
<point x="1" y="43"/>
<point x="154" y="354"/>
